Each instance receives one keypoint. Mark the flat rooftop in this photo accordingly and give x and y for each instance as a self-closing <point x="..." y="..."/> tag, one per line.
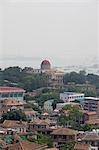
<point x="71" y="93"/>
<point x="92" y="98"/>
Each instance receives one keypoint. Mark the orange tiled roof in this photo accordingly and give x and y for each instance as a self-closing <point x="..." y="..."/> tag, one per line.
<point x="12" y="102"/>
<point x="88" y="112"/>
<point x="93" y="122"/>
<point x="5" y="89"/>
<point x="79" y="146"/>
<point x="64" y="131"/>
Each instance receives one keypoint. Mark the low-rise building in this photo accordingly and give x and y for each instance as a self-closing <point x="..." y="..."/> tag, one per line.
<point x="10" y="104"/>
<point x="30" y="114"/>
<point x="48" y="106"/>
<point x="11" y="93"/>
<point x="41" y="126"/>
<point x="55" y="78"/>
<point x="25" y="145"/>
<point x="21" y="145"/>
<point x="19" y="126"/>
<point x="63" y="135"/>
<point x="71" y="96"/>
<point x="80" y="146"/>
<point x="87" y="116"/>
<point x="91" y="138"/>
<point x="91" y="104"/>
<point x="94" y="122"/>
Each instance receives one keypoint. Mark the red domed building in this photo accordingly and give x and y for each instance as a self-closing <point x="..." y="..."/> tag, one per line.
<point x="45" y="65"/>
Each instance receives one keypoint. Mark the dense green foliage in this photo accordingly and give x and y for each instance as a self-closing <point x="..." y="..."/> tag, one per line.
<point x="81" y="78"/>
<point x="68" y="146"/>
<point x="75" y="77"/>
<point x="15" y="76"/>
<point x="14" y="115"/>
<point x="42" y="139"/>
<point x="42" y="97"/>
<point x="71" y="120"/>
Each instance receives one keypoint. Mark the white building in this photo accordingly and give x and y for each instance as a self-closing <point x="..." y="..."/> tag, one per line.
<point x="71" y="96"/>
<point x="48" y="106"/>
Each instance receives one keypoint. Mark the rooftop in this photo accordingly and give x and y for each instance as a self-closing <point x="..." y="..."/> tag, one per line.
<point x="64" y="131"/>
<point x="91" y="136"/>
<point x="80" y="146"/>
<point x="25" y="145"/>
<point x="6" y="89"/>
<point x="12" y="102"/>
<point x="29" y="111"/>
<point x="71" y="93"/>
<point x="13" y="124"/>
<point x="58" y="72"/>
<point x="93" y="122"/>
<point x="52" y="148"/>
<point x="42" y="122"/>
<point x="88" y="112"/>
<point x="92" y="98"/>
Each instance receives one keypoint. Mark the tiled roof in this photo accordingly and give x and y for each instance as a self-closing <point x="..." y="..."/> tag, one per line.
<point x="51" y="149"/>
<point x="5" y="89"/>
<point x="25" y="145"/>
<point x="30" y="111"/>
<point x="88" y="112"/>
<point x="40" y="122"/>
<point x="43" y="122"/>
<point x="93" y="122"/>
<point x="91" y="137"/>
<point x="13" y="124"/>
<point x="64" y="131"/>
<point x="12" y="102"/>
<point x="79" y="146"/>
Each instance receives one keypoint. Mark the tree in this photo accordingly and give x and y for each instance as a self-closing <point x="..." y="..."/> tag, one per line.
<point x="12" y="74"/>
<point x="68" y="146"/>
<point x="14" y="115"/>
<point x="73" y="117"/>
<point x="78" y="78"/>
<point x="41" y="139"/>
<point x="32" y="82"/>
<point x="86" y="127"/>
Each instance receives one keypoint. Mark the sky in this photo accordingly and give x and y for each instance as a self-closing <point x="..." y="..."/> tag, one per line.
<point x="62" y="31"/>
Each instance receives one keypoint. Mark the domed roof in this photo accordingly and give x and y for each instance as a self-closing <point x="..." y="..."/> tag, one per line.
<point x="45" y="62"/>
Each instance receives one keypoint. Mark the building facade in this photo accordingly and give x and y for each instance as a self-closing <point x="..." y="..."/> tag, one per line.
<point x="71" y="96"/>
<point x="48" y="106"/>
<point x="91" y="104"/>
<point x="11" y="93"/>
<point x="55" y="78"/>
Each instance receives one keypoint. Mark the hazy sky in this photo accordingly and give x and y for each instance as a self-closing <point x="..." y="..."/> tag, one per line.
<point x="63" y="31"/>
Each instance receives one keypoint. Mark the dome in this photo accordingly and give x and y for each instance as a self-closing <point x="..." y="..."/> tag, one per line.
<point x="45" y="62"/>
<point x="45" y="65"/>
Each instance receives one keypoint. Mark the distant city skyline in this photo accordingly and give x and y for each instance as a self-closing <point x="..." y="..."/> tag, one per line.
<point x="64" y="32"/>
